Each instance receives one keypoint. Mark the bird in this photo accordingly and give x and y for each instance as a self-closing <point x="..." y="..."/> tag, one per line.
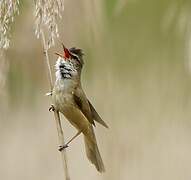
<point x="70" y="100"/>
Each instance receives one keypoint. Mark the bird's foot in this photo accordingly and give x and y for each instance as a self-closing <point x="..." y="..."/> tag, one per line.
<point x="51" y="108"/>
<point x="62" y="147"/>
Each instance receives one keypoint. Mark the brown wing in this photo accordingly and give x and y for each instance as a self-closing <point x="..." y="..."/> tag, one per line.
<point x="82" y="103"/>
<point x="96" y="116"/>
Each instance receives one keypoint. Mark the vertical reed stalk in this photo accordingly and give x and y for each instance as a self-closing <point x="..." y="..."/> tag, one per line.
<point x="56" y="113"/>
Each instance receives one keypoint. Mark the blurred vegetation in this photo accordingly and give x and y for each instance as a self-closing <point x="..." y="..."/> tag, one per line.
<point x="136" y="36"/>
<point x="137" y="73"/>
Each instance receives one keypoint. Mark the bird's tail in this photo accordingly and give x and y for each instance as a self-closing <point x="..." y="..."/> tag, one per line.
<point x="92" y="151"/>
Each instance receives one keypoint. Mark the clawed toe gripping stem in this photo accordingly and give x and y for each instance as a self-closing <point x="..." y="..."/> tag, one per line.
<point x="62" y="147"/>
<point x="51" y="108"/>
<point x="66" y="145"/>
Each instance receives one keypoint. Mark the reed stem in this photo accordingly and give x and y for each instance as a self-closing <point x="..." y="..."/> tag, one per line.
<point x="56" y="113"/>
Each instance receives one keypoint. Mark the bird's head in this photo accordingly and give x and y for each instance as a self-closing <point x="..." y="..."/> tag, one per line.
<point x="70" y="63"/>
<point x="74" y="55"/>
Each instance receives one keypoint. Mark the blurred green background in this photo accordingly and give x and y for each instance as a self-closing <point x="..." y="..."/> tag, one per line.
<point x="137" y="74"/>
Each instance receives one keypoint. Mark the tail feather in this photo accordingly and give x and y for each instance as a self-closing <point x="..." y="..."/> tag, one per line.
<point x="93" y="153"/>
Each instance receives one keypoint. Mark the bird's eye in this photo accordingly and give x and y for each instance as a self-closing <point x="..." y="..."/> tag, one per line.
<point x="77" y="59"/>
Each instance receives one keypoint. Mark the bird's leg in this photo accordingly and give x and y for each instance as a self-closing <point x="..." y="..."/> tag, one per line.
<point x="66" y="145"/>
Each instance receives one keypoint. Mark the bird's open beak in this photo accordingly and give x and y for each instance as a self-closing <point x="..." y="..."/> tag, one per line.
<point x="58" y="54"/>
<point x="67" y="54"/>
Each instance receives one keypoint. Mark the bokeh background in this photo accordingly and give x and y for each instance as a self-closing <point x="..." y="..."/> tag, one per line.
<point x="137" y="74"/>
